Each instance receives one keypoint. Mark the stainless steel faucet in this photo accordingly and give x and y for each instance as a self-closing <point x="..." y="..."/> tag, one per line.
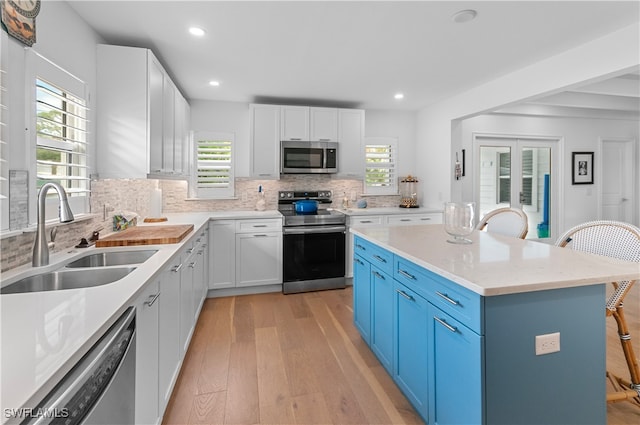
<point x="40" y="246"/>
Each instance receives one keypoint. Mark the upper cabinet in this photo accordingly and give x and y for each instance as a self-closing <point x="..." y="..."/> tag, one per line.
<point x="294" y="123"/>
<point x="265" y="141"/>
<point x="323" y="124"/>
<point x="351" y="136"/>
<point x="142" y="128"/>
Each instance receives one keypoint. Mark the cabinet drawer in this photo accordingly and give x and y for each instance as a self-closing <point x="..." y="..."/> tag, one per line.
<point x="434" y="218"/>
<point x="366" y="220"/>
<point x="251" y="226"/>
<point x="378" y="257"/>
<point x="459" y="302"/>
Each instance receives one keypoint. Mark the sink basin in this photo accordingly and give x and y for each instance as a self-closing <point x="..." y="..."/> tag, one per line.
<point x="67" y="279"/>
<point x="116" y="258"/>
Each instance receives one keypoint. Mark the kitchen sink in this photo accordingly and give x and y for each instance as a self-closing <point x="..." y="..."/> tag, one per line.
<point x="67" y="279"/>
<point x="115" y="258"/>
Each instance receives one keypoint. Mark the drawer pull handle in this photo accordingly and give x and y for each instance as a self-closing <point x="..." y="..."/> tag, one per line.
<point x="446" y="298"/>
<point x="193" y="265"/>
<point x="404" y="294"/>
<point x="261" y="235"/>
<point x="177" y="268"/>
<point x="405" y="219"/>
<point x="407" y="275"/>
<point x="425" y="218"/>
<point x="189" y="251"/>
<point x="366" y="221"/>
<point x="379" y="258"/>
<point x="259" y="225"/>
<point x="445" y="324"/>
<point x="152" y="299"/>
<point x="359" y="261"/>
<point x="361" y="247"/>
<point x="378" y="275"/>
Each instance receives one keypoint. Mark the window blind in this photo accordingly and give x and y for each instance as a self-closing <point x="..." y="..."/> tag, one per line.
<point x="214" y="176"/>
<point x="380" y="166"/>
<point x="61" y="139"/>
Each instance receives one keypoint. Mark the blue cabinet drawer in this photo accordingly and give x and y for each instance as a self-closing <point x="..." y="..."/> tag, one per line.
<point x="462" y="304"/>
<point x="375" y="255"/>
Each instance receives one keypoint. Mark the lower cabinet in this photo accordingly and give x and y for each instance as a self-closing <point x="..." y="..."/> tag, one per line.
<point x="147" y="349"/>
<point x="455" y="367"/>
<point x="434" y="358"/>
<point x="362" y="297"/>
<point x="186" y="299"/>
<point x="245" y="253"/>
<point x="382" y="292"/>
<point x="411" y="348"/>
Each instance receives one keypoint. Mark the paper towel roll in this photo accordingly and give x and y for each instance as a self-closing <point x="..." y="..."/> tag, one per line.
<point x="156" y="203"/>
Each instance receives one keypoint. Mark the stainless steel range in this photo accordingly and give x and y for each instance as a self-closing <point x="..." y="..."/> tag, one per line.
<point x="313" y="243"/>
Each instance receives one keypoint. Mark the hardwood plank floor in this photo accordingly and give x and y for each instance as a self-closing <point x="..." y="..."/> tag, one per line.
<point x="298" y="359"/>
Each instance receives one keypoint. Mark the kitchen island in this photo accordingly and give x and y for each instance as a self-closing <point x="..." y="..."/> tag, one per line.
<point x="456" y="325"/>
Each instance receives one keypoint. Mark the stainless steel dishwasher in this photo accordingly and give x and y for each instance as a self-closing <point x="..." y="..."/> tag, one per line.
<point x="100" y="389"/>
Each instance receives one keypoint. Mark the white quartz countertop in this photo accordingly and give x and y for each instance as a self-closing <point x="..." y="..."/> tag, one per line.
<point x="494" y="264"/>
<point x="45" y="333"/>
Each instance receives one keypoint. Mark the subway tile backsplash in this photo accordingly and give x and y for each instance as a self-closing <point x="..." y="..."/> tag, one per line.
<point x="112" y="196"/>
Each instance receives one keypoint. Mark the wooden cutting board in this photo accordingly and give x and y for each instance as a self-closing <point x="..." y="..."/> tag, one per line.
<point x="146" y="235"/>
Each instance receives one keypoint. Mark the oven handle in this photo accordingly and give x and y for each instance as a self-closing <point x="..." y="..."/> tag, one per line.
<point x="303" y="230"/>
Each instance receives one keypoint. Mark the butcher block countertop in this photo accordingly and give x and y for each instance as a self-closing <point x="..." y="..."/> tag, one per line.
<point x="146" y="235"/>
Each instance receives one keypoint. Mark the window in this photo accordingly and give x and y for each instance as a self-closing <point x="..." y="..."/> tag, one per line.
<point x="214" y="174"/>
<point x="380" y="166"/>
<point x="59" y="133"/>
<point x="4" y="171"/>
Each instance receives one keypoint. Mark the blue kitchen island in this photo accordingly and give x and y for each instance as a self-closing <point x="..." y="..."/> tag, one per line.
<point x="456" y="325"/>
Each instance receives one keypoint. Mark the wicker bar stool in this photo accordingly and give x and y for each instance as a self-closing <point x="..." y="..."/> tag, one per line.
<point x="622" y="241"/>
<point x="505" y="221"/>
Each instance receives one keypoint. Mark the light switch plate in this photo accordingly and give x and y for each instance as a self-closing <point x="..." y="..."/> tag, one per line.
<point x="547" y="343"/>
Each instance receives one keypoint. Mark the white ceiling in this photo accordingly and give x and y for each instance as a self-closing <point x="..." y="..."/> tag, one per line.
<point x="353" y="54"/>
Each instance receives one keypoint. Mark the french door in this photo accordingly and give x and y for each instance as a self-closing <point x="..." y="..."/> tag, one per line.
<point x="520" y="173"/>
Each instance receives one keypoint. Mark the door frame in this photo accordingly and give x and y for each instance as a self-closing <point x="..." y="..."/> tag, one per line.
<point x="557" y="171"/>
<point x="630" y="143"/>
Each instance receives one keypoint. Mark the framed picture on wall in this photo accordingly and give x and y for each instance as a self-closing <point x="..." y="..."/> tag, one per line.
<point x="582" y="168"/>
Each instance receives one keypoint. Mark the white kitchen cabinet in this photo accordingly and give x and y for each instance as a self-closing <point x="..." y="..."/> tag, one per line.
<point x="294" y="123"/>
<point x="169" y="332"/>
<point x="323" y="124"/>
<point x="350" y="137"/>
<point x="414" y="219"/>
<point x="147" y="354"/>
<point x="265" y="141"/>
<point x="258" y="258"/>
<point x="245" y="253"/>
<point x="222" y="254"/>
<point x="137" y="112"/>
<point x="186" y="298"/>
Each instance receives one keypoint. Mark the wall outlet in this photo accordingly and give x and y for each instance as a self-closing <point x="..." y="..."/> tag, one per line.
<point x="548" y="343"/>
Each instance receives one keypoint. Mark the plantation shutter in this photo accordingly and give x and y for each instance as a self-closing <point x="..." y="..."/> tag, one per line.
<point x="4" y="166"/>
<point x="61" y="139"/>
<point x="380" y="166"/>
<point x="214" y="176"/>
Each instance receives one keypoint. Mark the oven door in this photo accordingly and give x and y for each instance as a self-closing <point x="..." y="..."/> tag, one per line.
<point x="313" y="252"/>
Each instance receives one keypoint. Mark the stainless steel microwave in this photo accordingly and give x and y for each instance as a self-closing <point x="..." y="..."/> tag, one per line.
<point x="298" y="157"/>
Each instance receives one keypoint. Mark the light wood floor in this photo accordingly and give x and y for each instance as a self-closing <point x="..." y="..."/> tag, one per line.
<point x="298" y="359"/>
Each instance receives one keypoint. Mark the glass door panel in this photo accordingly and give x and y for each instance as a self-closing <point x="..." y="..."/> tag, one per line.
<point x="517" y="173"/>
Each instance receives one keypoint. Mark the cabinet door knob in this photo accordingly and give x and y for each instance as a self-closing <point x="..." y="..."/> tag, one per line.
<point x="404" y="294"/>
<point x="152" y="299"/>
<point x="445" y="324"/>
<point x="446" y="298"/>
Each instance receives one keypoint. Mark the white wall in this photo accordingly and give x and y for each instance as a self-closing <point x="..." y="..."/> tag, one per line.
<point x="439" y="132"/>
<point x="399" y="124"/>
<point x="579" y="202"/>
<point x="234" y="117"/>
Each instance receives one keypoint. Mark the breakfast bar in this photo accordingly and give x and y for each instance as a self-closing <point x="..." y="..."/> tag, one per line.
<point x="499" y="331"/>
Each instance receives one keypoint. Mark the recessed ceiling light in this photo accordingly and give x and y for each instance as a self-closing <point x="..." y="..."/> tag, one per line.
<point x="464" y="16"/>
<point x="398" y="96"/>
<point x="214" y="83"/>
<point x="198" y="32"/>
